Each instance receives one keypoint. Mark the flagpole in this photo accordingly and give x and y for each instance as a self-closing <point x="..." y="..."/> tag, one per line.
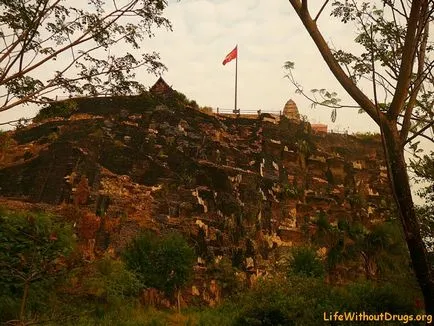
<point x="236" y="78"/>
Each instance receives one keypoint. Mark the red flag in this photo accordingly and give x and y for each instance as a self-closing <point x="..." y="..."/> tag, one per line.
<point x="231" y="56"/>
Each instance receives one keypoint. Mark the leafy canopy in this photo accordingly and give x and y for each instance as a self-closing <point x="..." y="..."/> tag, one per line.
<point x="84" y="48"/>
<point x="33" y="253"/>
<point x="32" y="247"/>
<point x="164" y="263"/>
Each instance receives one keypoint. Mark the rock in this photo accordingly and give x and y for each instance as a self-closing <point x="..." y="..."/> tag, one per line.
<point x="161" y="108"/>
<point x="162" y="218"/>
<point x="108" y="123"/>
<point x="124" y="114"/>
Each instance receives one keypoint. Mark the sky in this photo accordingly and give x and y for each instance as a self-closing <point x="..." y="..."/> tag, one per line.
<point x="267" y="33"/>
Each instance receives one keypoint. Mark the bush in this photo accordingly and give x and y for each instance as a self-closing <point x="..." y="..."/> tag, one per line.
<point x="111" y="281"/>
<point x="305" y="262"/>
<point x="62" y="109"/>
<point x="33" y="252"/>
<point x="302" y="301"/>
<point x="294" y="301"/>
<point x="164" y="263"/>
<point x="374" y="298"/>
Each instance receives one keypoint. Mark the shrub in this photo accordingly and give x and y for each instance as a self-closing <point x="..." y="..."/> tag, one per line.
<point x="375" y="298"/>
<point x="305" y="262"/>
<point x="62" y="109"/>
<point x="111" y="281"/>
<point x="164" y="263"/>
<point x="33" y="251"/>
<point x="300" y="301"/>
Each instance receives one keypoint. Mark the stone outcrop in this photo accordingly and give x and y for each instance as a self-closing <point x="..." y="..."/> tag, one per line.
<point x="239" y="188"/>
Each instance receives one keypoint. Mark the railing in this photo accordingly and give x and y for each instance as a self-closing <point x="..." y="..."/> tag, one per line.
<point x="225" y="111"/>
<point x="64" y="97"/>
<point x="245" y="111"/>
<point x="250" y="112"/>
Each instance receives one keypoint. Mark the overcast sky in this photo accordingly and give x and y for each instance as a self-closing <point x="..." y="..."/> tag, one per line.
<point x="268" y="33"/>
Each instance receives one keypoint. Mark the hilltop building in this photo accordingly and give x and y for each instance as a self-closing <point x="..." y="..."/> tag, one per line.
<point x="319" y="128"/>
<point x="290" y="111"/>
<point x="161" y="88"/>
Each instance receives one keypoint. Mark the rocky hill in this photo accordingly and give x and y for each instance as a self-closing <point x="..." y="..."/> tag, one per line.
<point x="237" y="187"/>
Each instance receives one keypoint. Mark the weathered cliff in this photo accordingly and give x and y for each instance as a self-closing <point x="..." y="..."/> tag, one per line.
<point x="238" y="188"/>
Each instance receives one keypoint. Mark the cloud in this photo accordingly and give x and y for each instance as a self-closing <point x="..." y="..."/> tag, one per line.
<point x="267" y="33"/>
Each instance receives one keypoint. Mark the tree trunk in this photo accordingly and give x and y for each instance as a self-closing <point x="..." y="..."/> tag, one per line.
<point x="24" y="301"/>
<point x="400" y="183"/>
<point x="178" y="299"/>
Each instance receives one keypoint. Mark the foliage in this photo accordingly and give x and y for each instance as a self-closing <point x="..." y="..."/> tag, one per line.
<point x="303" y="301"/>
<point x="394" y="55"/>
<point x="368" y="136"/>
<point x="126" y="313"/>
<point x="104" y="105"/>
<point x="374" y="298"/>
<point x="305" y="262"/>
<point x="75" y="47"/>
<point x="110" y="281"/>
<point x="164" y="263"/>
<point x="424" y="170"/>
<point x="226" y="276"/>
<point x="290" y="191"/>
<point x="61" y="109"/>
<point x="5" y="141"/>
<point x="380" y="249"/>
<point x="292" y="300"/>
<point x="33" y="251"/>
<point x="176" y="100"/>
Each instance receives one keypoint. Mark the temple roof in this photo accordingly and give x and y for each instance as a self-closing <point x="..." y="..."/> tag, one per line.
<point x="160" y="87"/>
<point x="290" y="110"/>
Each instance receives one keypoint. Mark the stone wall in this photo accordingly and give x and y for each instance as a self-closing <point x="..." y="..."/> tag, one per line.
<point x="237" y="188"/>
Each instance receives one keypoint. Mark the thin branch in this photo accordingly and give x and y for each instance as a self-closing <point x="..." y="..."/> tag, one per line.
<point x="333" y="65"/>
<point x="314" y="100"/>
<point x="80" y="40"/>
<point x="420" y="132"/>
<point x="407" y="59"/>
<point x="320" y="11"/>
<point x="12" y="122"/>
<point x="417" y="84"/>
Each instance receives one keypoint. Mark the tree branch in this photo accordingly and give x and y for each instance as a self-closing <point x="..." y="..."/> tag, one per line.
<point x="321" y="10"/>
<point x="417" y="85"/>
<point x="407" y="60"/>
<point x="420" y="133"/>
<point x="333" y="65"/>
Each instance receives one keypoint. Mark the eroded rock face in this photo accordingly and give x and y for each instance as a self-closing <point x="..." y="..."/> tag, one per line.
<point x="238" y="187"/>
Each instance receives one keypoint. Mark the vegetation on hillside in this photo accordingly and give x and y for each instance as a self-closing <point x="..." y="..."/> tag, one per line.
<point x="45" y="279"/>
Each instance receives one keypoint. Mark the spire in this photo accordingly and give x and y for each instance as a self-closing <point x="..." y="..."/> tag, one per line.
<point x="290" y="110"/>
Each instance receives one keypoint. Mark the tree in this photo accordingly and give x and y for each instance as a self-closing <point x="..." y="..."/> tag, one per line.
<point x="33" y="249"/>
<point x="424" y="170"/>
<point x="393" y="36"/>
<point x="164" y="263"/>
<point x="74" y="47"/>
